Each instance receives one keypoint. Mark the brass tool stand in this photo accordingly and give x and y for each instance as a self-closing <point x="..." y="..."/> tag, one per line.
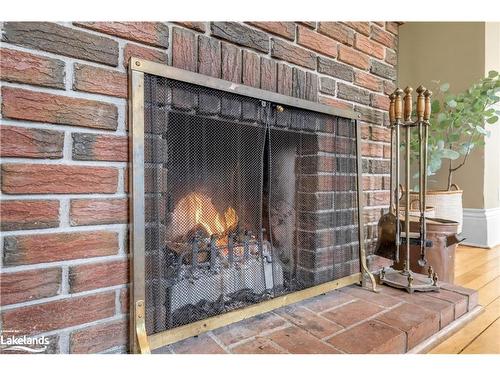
<point x="405" y="278"/>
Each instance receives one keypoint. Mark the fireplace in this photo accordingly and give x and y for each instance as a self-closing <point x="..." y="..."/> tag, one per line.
<point x="241" y="199"/>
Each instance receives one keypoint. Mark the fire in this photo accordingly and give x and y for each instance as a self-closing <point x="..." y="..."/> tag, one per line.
<point x="197" y="209"/>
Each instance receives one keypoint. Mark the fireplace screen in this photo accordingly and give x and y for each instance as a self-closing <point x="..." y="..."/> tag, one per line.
<point x="245" y="200"/>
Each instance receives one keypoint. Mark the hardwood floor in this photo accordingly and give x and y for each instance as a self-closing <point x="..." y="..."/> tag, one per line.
<point x="478" y="269"/>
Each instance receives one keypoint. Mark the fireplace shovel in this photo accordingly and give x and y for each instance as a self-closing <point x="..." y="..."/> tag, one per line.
<point x="388" y="233"/>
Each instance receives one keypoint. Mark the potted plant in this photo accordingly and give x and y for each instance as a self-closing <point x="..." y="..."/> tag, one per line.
<point x="457" y="127"/>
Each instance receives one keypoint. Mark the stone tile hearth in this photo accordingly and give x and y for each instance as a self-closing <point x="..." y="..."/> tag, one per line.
<point x="349" y="320"/>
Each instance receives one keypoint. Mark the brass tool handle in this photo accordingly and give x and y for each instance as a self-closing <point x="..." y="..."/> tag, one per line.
<point x="392" y="114"/>
<point x="408" y="103"/>
<point x="420" y="102"/>
<point x="398" y="107"/>
<point x="427" y="110"/>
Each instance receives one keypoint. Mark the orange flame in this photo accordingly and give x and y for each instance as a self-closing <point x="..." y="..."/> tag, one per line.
<point x="197" y="209"/>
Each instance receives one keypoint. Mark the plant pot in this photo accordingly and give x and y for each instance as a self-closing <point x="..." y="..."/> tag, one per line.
<point x="447" y="204"/>
<point x="430" y="212"/>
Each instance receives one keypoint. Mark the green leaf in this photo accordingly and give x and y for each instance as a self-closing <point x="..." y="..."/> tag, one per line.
<point x="492" y="74"/>
<point x="452" y="103"/>
<point x="492" y="120"/>
<point x="441" y="117"/>
<point x="435" y="106"/>
<point x="444" y="87"/>
<point x="481" y="130"/>
<point x="449" y="154"/>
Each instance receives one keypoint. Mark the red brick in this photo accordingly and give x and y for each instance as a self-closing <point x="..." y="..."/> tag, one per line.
<point x="17" y="142"/>
<point x="184" y="49"/>
<point x="284" y="79"/>
<point x="310" y="24"/>
<point x="360" y="27"/>
<point x="311" y="322"/>
<point x="380" y="134"/>
<point x="296" y="55"/>
<point x="368" y="46"/>
<point x="100" y="337"/>
<point x="231" y="63"/>
<point x="99" y="81"/>
<point x="471" y="294"/>
<point x="209" y="56"/>
<point x="460" y="301"/>
<point x="317" y="42"/>
<point x="370" y="337"/>
<point x="382" y="36"/>
<point x="58" y="179"/>
<point x="284" y="29"/>
<point x="24" y="67"/>
<point x="251" y="69"/>
<point x="380" y="101"/>
<point x="368" y="81"/>
<point x="153" y="33"/>
<point x="268" y="74"/>
<point x="62" y="40"/>
<point x="352" y="313"/>
<point x="100" y="147"/>
<point x="377" y="198"/>
<point x="249" y="327"/>
<point x="337" y="31"/>
<point x="444" y="308"/>
<point x="24" y="286"/>
<point x="389" y="87"/>
<point x="28" y="214"/>
<point x="387" y="151"/>
<point x="368" y="295"/>
<point x="375" y="150"/>
<point x="418" y="323"/>
<point x="37" y="106"/>
<point x="42" y="248"/>
<point x="134" y="50"/>
<point x="98" y="211"/>
<point x="59" y="314"/>
<point x="392" y="27"/>
<point x="327" y="301"/>
<point x="372" y="182"/>
<point x="334" y="102"/>
<point x="238" y="33"/>
<point x="258" y="345"/>
<point x="97" y="275"/>
<point x="298" y="341"/>
<point x="391" y="57"/>
<point x="202" y="344"/>
<point x="197" y="26"/>
<point x="352" y="57"/>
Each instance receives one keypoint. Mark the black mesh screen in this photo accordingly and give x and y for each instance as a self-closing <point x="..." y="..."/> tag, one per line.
<point x="243" y="202"/>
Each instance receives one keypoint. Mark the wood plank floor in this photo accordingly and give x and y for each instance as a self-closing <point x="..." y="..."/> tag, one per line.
<point x="478" y="269"/>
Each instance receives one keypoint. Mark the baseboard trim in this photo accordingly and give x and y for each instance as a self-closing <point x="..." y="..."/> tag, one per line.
<point x="480" y="227"/>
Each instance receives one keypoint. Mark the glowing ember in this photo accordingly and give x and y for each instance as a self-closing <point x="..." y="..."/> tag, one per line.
<point x="195" y="210"/>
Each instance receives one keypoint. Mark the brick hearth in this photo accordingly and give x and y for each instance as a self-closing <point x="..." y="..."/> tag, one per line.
<point x="351" y="320"/>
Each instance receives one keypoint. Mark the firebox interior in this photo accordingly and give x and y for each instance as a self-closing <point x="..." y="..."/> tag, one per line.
<point x="242" y="202"/>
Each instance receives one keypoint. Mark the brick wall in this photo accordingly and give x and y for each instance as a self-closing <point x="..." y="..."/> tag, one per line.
<point x="64" y="146"/>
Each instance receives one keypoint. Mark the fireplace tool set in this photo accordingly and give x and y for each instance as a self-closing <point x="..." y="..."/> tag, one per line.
<point x="391" y="237"/>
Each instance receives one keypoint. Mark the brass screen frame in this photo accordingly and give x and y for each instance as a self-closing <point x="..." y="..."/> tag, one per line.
<point x="140" y="342"/>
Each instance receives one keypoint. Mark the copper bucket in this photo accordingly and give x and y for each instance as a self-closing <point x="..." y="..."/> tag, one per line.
<point x="441" y="256"/>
